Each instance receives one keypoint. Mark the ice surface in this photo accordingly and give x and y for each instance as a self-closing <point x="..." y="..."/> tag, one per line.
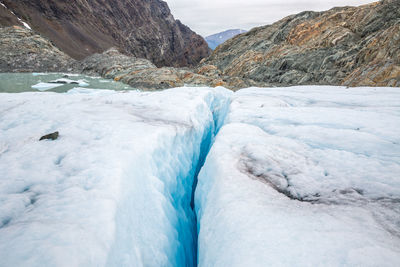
<point x="300" y="176"/>
<point x="45" y="86"/>
<point x="115" y="188"/>
<point x="303" y="176"/>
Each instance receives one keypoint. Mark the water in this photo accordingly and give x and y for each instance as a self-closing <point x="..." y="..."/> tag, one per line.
<point x="23" y="82"/>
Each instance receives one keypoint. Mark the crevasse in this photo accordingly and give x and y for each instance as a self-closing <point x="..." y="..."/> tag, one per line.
<point x="116" y="188"/>
<point x="176" y="163"/>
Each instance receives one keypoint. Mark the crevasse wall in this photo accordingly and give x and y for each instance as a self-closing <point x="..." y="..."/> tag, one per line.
<point x="176" y="164"/>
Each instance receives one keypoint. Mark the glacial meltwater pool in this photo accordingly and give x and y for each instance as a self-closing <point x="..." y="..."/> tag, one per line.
<point x="55" y="82"/>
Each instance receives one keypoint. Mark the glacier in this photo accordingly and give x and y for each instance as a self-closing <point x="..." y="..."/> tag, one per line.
<point x="298" y="176"/>
<point x="303" y="176"/>
<point x="115" y="189"/>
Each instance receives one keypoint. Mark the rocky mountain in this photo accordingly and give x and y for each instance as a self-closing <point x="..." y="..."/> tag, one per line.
<point x="354" y="46"/>
<point x="23" y="50"/>
<point x="216" y="39"/>
<point x="140" y="28"/>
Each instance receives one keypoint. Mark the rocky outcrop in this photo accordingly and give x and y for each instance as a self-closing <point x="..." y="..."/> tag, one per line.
<point x="140" y="28"/>
<point x="354" y="46"/>
<point x="142" y="74"/>
<point x="111" y="63"/>
<point x="21" y="50"/>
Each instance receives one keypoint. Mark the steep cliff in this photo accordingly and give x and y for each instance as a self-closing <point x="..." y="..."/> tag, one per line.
<point x="355" y="46"/>
<point x="141" y="28"/>
<point x="7" y="18"/>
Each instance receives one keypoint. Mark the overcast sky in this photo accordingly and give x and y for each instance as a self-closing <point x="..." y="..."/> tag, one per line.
<point x="207" y="17"/>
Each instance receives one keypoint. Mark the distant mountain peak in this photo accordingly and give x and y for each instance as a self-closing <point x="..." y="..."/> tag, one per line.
<point x="219" y="38"/>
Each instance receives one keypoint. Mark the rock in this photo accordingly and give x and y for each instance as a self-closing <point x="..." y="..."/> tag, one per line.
<point x="353" y="46"/>
<point x="142" y="74"/>
<point x="140" y="28"/>
<point x="111" y="64"/>
<point x="209" y="70"/>
<point x="52" y="136"/>
<point x="22" y="50"/>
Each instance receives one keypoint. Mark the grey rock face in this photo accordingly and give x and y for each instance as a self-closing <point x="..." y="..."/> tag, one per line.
<point x="352" y="46"/>
<point x="21" y="50"/>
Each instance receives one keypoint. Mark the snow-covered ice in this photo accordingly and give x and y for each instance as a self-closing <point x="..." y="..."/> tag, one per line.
<point x="300" y="176"/>
<point x="115" y="188"/>
<point x="303" y="176"/>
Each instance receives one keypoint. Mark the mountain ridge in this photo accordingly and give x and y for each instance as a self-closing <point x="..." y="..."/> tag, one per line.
<point x="352" y="46"/>
<point x="139" y="28"/>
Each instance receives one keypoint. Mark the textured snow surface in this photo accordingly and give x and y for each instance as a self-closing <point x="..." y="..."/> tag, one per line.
<point x="303" y="176"/>
<point x="300" y="176"/>
<point x="115" y="188"/>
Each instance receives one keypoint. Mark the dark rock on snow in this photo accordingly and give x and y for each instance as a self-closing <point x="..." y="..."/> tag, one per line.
<point x="52" y="136"/>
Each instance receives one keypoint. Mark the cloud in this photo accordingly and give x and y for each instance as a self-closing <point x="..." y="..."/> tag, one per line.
<point x="211" y="16"/>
